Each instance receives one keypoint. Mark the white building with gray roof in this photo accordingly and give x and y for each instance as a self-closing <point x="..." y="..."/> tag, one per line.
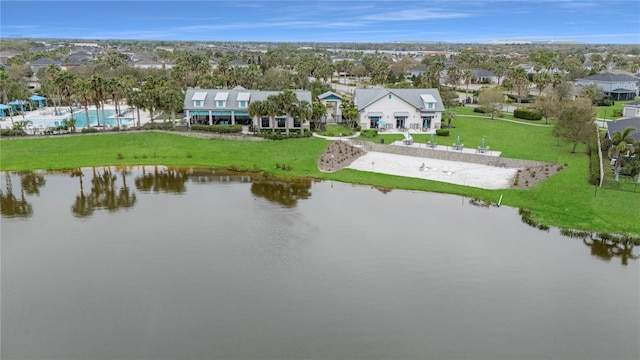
<point x="231" y="107"/>
<point x="399" y="109"/>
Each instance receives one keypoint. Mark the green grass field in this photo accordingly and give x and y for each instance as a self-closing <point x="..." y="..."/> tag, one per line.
<point x="565" y="200"/>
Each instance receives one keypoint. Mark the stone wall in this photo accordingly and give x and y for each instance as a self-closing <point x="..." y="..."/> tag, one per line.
<point x="450" y="155"/>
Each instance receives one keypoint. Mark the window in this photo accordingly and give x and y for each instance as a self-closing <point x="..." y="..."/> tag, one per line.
<point x="282" y="121"/>
<point x="243" y="104"/>
<point x="197" y="103"/>
<point x="373" y="122"/>
<point x="219" y="103"/>
<point x="264" y="122"/>
<point x="389" y="96"/>
<point x="430" y="106"/>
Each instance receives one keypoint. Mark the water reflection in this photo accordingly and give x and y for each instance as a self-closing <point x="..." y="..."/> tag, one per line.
<point x="283" y="192"/>
<point x="11" y="205"/>
<point x="170" y="180"/>
<point x="31" y="182"/>
<point x="607" y="250"/>
<point x="105" y="193"/>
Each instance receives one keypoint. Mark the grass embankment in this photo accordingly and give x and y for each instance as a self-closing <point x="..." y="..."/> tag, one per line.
<point x="565" y="200"/>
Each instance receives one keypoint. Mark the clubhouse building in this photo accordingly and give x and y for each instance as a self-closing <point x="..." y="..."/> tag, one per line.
<point x="231" y="107"/>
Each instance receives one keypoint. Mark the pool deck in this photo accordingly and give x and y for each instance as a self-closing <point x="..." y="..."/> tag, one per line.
<point x="46" y="116"/>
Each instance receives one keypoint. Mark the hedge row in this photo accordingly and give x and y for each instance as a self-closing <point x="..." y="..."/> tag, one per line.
<point x="369" y="133"/>
<point x="281" y="135"/>
<point x="527" y="114"/>
<point x="442" y="132"/>
<point x="594" y="164"/>
<point x="224" y="129"/>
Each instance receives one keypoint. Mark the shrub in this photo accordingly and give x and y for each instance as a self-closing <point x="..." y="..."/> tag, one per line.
<point x="594" y="164"/>
<point x="527" y="114"/>
<point x="481" y="110"/>
<point x="157" y="126"/>
<point x="89" y="130"/>
<point x="442" y="132"/>
<point x="11" y="132"/>
<point x="524" y="100"/>
<point x="369" y="133"/>
<point x="221" y="129"/>
<point x="281" y="135"/>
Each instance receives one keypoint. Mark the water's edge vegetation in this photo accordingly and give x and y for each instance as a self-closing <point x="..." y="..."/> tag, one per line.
<point x="565" y="200"/>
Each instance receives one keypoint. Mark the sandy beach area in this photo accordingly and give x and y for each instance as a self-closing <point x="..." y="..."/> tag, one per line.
<point x="455" y="172"/>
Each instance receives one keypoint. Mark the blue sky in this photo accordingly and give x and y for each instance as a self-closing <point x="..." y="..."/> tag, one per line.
<point x="461" y="21"/>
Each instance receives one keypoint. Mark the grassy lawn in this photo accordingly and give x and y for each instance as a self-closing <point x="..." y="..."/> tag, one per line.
<point x="565" y="200"/>
<point x="606" y="112"/>
<point x="335" y="130"/>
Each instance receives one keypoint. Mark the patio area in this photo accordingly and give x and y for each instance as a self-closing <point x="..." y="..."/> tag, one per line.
<point x="452" y="148"/>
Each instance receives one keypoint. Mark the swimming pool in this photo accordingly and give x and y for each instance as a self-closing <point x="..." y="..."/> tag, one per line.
<point x="81" y="119"/>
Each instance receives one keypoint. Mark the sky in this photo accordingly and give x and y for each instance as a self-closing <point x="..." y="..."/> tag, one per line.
<point x="459" y="21"/>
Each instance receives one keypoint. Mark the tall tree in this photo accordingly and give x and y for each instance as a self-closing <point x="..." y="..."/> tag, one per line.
<point x="541" y="79"/>
<point x="491" y="99"/>
<point x="548" y="106"/>
<point x="319" y="110"/>
<point x="467" y="77"/>
<point x="85" y="95"/>
<point x="65" y="80"/>
<point x="576" y="122"/>
<point x="5" y="86"/>
<point x="620" y="144"/>
<point x="350" y="112"/>
<point x="519" y="80"/>
<point x="99" y="94"/>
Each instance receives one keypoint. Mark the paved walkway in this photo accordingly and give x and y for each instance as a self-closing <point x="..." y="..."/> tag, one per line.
<point x="447" y="148"/>
<point x="337" y="138"/>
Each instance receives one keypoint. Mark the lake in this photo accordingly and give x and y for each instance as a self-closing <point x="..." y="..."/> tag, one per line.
<point x="164" y="263"/>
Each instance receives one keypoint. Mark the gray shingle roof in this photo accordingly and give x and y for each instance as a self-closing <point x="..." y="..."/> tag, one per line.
<point x="609" y="77"/>
<point x="621" y="124"/>
<point x="232" y="98"/>
<point x="366" y="97"/>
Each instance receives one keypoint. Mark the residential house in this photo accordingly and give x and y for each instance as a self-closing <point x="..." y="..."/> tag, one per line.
<point x="40" y="63"/>
<point x="399" y="109"/>
<point x="631" y="109"/>
<point x="621" y="124"/>
<point x="615" y="86"/>
<point x="333" y="103"/>
<point x="152" y="64"/>
<point x="238" y="64"/>
<point x="231" y="107"/>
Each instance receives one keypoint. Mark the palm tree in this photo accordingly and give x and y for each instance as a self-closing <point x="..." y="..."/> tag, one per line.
<point x="518" y="77"/>
<point x="271" y="109"/>
<point x="286" y="102"/>
<point x="256" y="110"/>
<point x="542" y="80"/>
<point x="135" y="99"/>
<point x="85" y="95"/>
<point x="453" y="75"/>
<point x="64" y="81"/>
<point x="620" y="144"/>
<point x="467" y="76"/>
<point x="114" y="89"/>
<point x="171" y="98"/>
<point x="303" y="112"/>
<point x="98" y="89"/>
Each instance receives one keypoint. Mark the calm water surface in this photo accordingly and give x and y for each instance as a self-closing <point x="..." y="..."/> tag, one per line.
<point x="157" y="263"/>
